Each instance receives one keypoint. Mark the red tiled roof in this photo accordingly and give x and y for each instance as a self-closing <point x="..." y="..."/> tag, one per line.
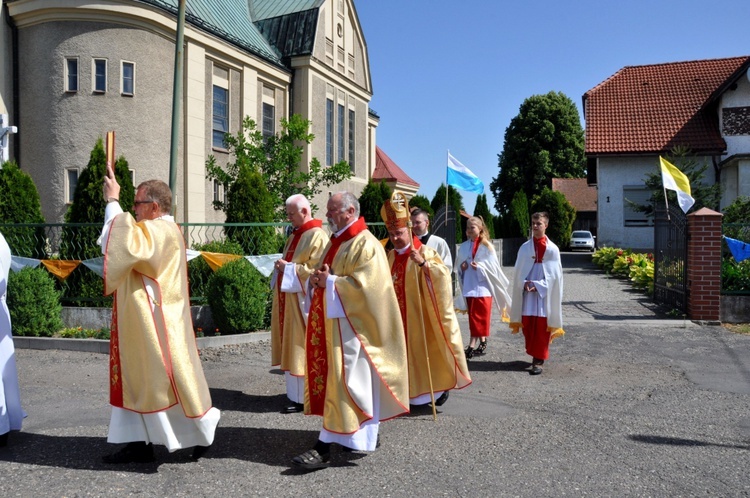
<point x="653" y="108"/>
<point x="386" y="169"/>
<point x="577" y="191"/>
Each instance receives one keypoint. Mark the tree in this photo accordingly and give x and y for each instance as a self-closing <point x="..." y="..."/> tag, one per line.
<point x="277" y="158"/>
<point x="422" y="203"/>
<point x="456" y="202"/>
<point x="738" y="211"/>
<point x="79" y="242"/>
<point x="544" y="141"/>
<point x="371" y="200"/>
<point x="561" y="215"/>
<point x="20" y="204"/>
<point x="519" y="215"/>
<point x="250" y="202"/>
<point x="705" y="195"/>
<point x="481" y="209"/>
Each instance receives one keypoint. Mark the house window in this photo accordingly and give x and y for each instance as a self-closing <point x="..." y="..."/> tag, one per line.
<point x="132" y="176"/>
<point x="100" y="76"/>
<point x="340" y="137"/>
<point x="221" y="116"/>
<point x="71" y="74"/>
<point x="351" y="139"/>
<point x="127" y="85"/>
<point x="217" y="191"/>
<point x="269" y="121"/>
<point x="329" y="132"/>
<point x="635" y="195"/>
<point x="71" y="180"/>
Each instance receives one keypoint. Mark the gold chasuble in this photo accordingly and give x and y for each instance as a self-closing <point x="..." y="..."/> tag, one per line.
<point x="340" y="380"/>
<point x="304" y="248"/>
<point x="154" y="362"/>
<point x="425" y="297"/>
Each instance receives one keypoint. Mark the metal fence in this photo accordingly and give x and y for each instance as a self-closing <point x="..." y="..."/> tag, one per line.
<point x="670" y="258"/>
<point x="77" y="242"/>
<point x="735" y="277"/>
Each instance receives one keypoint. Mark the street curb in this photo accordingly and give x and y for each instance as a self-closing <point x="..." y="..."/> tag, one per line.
<point x="102" y="346"/>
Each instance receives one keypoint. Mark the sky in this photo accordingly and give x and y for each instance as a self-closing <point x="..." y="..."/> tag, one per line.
<point x="451" y="75"/>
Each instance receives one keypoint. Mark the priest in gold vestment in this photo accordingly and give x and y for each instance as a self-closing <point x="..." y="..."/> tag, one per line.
<point x="356" y="353"/>
<point x="301" y="255"/>
<point x="423" y="288"/>
<point x="158" y="391"/>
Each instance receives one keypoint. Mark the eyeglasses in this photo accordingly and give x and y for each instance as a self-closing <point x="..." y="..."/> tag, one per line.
<point x="135" y="203"/>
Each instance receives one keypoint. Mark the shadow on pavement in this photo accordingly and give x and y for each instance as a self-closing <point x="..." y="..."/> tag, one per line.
<point x="674" y="441"/>
<point x="273" y="447"/>
<point x="229" y="399"/>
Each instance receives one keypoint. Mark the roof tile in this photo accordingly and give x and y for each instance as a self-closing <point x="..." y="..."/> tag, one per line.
<point x="655" y="107"/>
<point x="386" y="169"/>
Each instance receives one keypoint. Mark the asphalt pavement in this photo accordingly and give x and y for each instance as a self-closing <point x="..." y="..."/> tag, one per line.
<point x="631" y="403"/>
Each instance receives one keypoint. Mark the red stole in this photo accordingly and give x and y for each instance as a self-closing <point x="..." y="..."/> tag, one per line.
<point x="291" y="247"/>
<point x="475" y="247"/>
<point x="540" y="247"/>
<point x="115" y="379"/>
<point x="315" y="340"/>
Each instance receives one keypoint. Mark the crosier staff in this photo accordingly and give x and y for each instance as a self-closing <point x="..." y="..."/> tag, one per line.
<point x="400" y="206"/>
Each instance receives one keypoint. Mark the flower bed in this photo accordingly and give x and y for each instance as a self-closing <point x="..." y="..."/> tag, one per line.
<point x="637" y="267"/>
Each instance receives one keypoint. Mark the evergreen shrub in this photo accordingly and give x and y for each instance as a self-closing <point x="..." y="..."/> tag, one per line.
<point x="34" y="303"/>
<point x="238" y="296"/>
<point x="199" y="272"/>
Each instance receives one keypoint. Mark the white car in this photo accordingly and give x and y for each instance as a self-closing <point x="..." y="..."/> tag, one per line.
<point x="582" y="239"/>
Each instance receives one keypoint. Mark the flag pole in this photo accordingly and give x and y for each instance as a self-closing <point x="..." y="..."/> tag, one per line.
<point x="421" y="310"/>
<point x="447" y="160"/>
<point x="666" y="202"/>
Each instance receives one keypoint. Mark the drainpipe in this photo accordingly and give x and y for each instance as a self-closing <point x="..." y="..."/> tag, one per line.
<point x="14" y="83"/>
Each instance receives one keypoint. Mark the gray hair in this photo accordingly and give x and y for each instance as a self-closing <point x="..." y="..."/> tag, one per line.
<point x="348" y="200"/>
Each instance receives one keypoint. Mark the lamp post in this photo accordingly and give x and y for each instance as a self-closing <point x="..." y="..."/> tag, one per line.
<point x="176" y="101"/>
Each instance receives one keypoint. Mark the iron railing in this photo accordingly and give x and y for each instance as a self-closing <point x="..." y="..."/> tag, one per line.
<point x="77" y="241"/>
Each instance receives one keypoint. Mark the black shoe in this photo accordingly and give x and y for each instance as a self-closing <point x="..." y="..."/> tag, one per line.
<point x="4" y="440"/>
<point x="480" y="349"/>
<point x="442" y="399"/>
<point x="137" y="452"/>
<point x="199" y="451"/>
<point x="294" y="408"/>
<point x="469" y="352"/>
<point x="535" y="370"/>
<point x="312" y="460"/>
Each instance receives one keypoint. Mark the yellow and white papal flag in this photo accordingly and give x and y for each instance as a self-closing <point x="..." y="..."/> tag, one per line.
<point x="674" y="179"/>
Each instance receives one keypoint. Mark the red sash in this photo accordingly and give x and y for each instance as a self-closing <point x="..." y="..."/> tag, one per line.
<point x="315" y="340"/>
<point x="398" y="273"/>
<point x="288" y="255"/>
<point x="475" y="247"/>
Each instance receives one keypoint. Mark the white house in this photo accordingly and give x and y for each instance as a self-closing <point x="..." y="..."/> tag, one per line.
<point x="642" y="112"/>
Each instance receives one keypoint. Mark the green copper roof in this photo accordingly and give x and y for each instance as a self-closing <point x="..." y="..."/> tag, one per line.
<point x="266" y="9"/>
<point x="227" y="19"/>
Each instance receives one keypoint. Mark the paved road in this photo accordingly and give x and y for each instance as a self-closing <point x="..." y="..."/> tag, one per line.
<point x="630" y="404"/>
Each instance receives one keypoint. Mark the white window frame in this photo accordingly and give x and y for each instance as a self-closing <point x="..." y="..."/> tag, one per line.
<point x="77" y="75"/>
<point x="94" y="88"/>
<point x="122" y="79"/>
<point x="68" y="193"/>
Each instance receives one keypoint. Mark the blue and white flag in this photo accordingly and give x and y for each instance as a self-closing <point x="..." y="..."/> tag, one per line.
<point x="460" y="177"/>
